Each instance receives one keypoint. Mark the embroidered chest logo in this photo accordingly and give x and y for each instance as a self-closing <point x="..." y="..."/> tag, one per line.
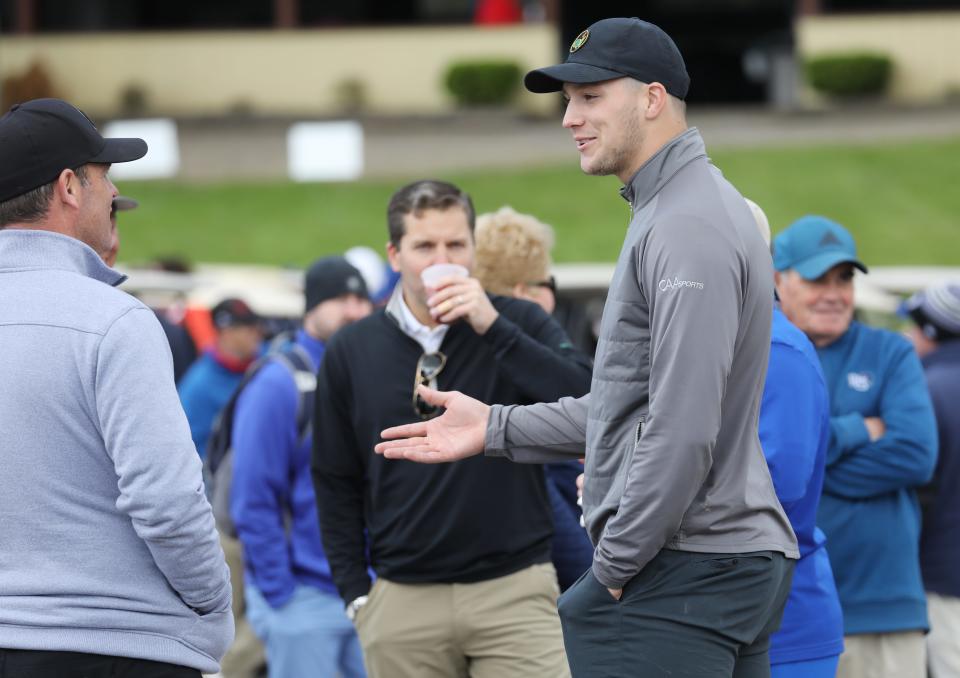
<point x="860" y="381"/>
<point x="666" y="284"/>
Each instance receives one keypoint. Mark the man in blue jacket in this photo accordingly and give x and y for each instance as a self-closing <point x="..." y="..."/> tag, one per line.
<point x="211" y="380"/>
<point x="936" y="336"/>
<point x="292" y="603"/>
<point x="882" y="447"/>
<point x="795" y="433"/>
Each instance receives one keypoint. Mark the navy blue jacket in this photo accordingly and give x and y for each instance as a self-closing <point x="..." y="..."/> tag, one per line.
<point x="940" y="540"/>
<point x="869" y="508"/>
<point x="795" y="433"/>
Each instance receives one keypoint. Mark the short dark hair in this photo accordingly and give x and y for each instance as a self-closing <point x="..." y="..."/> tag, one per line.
<point x="426" y="194"/>
<point x="31" y="206"/>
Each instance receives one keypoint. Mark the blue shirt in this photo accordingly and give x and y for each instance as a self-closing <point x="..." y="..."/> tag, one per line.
<point x="869" y="509"/>
<point x="794" y="433"/>
<point x="204" y="390"/>
<point x="272" y="485"/>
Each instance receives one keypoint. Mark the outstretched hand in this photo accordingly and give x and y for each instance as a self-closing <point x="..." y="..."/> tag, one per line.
<point x="456" y="434"/>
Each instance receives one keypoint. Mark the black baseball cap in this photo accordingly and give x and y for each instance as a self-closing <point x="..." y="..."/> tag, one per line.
<point x="617" y="48"/>
<point x="41" y="138"/>
<point x="233" y="312"/>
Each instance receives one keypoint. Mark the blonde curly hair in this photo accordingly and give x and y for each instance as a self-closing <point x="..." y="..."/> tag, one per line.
<point x="511" y="248"/>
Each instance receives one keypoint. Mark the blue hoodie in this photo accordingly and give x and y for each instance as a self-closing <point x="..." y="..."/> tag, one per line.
<point x="869" y="509"/>
<point x="794" y="433"/>
<point x="272" y="483"/>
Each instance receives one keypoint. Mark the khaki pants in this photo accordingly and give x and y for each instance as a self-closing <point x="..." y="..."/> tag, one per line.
<point x="246" y="656"/>
<point x="943" y="643"/>
<point x="884" y="655"/>
<point x="506" y="627"/>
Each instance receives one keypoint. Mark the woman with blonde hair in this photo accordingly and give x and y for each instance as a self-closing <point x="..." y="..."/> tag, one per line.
<point x="513" y="256"/>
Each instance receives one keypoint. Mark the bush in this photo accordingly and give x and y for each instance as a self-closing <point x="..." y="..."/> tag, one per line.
<point x="849" y="75"/>
<point x="474" y="83"/>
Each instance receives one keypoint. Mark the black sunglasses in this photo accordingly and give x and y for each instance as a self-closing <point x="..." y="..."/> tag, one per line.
<point x="550" y="283"/>
<point x="428" y="367"/>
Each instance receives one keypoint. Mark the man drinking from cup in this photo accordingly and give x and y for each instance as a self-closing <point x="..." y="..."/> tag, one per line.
<point x="461" y="551"/>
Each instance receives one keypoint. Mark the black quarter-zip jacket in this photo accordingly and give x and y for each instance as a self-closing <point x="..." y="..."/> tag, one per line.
<point x="468" y="521"/>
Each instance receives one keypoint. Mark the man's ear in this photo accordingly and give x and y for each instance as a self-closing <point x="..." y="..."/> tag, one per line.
<point x="392" y="254"/>
<point x="657" y="100"/>
<point x="67" y="188"/>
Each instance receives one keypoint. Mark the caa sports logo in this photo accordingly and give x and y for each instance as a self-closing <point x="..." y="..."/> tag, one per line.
<point x="667" y="284"/>
<point x="860" y="381"/>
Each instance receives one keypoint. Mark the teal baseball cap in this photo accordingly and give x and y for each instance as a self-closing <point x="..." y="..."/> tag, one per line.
<point x="812" y="245"/>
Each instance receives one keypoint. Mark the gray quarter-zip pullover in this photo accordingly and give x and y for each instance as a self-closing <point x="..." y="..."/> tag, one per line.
<point x="673" y="459"/>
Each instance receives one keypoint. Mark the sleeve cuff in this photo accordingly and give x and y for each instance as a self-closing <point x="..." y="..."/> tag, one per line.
<point x="501" y="334"/>
<point x="495" y="440"/>
<point x="355" y="589"/>
<point x="849" y="432"/>
<point x="279" y="596"/>
<point x="602" y="577"/>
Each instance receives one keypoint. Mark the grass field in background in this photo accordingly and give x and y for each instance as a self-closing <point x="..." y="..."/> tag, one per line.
<point x="900" y="200"/>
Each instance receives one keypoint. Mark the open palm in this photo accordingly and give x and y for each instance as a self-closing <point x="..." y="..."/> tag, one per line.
<point x="456" y="434"/>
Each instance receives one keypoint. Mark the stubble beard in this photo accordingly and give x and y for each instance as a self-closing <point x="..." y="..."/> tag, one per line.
<point x="617" y="159"/>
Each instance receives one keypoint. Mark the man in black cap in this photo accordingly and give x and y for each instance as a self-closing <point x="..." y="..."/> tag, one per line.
<point x="110" y="563"/>
<point x="693" y="553"/>
<point x="292" y="603"/>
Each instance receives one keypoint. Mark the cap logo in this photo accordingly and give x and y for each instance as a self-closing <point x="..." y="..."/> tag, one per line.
<point x="353" y="283"/>
<point x="580" y="41"/>
<point x="829" y="239"/>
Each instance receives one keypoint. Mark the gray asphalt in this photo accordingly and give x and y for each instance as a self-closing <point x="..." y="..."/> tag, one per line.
<point x="255" y="149"/>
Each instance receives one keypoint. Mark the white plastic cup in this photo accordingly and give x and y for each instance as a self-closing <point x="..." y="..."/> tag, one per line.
<point x="431" y="275"/>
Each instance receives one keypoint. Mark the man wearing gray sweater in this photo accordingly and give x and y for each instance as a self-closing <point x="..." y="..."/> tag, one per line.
<point x="693" y="552"/>
<point x="109" y="560"/>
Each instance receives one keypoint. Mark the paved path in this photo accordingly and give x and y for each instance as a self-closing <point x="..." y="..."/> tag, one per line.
<point x="256" y="149"/>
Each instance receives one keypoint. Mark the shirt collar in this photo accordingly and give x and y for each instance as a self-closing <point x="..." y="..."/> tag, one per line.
<point x="429" y="338"/>
<point x="26" y="249"/>
<point x="660" y="168"/>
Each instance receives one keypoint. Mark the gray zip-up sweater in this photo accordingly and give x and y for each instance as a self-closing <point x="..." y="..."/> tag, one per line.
<point x="673" y="459"/>
<point x="107" y="543"/>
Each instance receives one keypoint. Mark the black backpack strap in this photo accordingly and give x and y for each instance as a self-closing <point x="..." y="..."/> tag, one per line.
<point x="221" y="433"/>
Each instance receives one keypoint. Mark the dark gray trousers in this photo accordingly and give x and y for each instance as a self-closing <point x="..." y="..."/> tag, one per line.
<point x="686" y="615"/>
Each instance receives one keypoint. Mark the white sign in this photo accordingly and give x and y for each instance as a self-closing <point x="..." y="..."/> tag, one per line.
<point x="162" y="160"/>
<point x="325" y="151"/>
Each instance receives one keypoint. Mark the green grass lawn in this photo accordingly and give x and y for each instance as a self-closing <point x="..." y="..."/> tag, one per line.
<point x="896" y="198"/>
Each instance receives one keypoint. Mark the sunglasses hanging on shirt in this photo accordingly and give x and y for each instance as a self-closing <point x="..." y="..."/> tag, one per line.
<point x="428" y="367"/>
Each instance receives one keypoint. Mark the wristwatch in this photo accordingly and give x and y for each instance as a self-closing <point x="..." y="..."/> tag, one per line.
<point x="354" y="606"/>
